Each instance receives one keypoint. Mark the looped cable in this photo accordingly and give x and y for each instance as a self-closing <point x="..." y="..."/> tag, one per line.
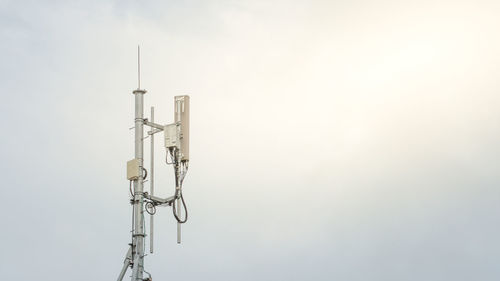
<point x="174" y="209"/>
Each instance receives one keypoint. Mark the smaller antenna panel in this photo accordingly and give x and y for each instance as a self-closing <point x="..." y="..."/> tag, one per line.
<point x="171" y="139"/>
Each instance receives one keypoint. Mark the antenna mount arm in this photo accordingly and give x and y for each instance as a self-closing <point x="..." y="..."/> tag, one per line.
<point x="152" y="124"/>
<point x="160" y="201"/>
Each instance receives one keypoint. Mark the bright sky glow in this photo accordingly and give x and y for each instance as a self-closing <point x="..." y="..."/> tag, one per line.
<point x="331" y="140"/>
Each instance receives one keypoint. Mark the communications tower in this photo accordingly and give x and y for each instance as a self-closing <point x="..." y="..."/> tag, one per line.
<point x="176" y="143"/>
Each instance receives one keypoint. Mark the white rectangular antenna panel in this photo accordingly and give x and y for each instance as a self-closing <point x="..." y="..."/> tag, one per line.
<point x="182" y="116"/>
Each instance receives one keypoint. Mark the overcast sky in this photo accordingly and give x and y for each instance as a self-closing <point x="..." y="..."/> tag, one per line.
<point x="330" y="140"/>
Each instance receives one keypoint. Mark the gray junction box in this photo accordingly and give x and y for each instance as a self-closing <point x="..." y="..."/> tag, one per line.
<point x="133" y="169"/>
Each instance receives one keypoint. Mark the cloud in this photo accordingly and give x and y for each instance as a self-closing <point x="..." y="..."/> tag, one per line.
<point x="347" y="141"/>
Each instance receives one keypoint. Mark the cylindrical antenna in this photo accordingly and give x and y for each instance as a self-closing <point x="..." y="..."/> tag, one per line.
<point x="138" y="66"/>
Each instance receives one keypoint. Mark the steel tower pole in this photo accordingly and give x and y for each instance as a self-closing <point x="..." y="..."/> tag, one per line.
<point x="138" y="231"/>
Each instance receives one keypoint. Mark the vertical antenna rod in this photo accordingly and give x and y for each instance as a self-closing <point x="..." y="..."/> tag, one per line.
<point x="138" y="66"/>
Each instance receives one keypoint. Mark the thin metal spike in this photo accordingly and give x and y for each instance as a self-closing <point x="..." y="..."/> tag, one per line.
<point x="138" y="67"/>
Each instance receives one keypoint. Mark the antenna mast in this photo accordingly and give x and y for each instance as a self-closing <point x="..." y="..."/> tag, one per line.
<point x="176" y="137"/>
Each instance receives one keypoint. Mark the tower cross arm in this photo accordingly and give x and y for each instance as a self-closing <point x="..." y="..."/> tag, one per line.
<point x="154" y="125"/>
